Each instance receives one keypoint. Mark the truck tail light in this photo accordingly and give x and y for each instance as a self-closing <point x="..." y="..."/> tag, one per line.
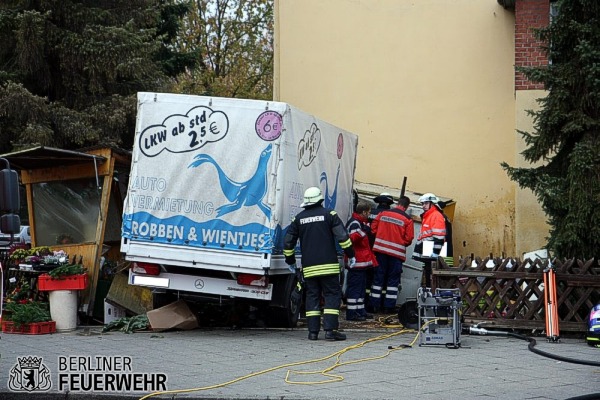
<point x="253" y="280"/>
<point x="145" y="268"/>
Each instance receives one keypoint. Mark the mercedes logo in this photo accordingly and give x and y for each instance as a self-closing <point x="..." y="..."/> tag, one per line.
<point x="199" y="284"/>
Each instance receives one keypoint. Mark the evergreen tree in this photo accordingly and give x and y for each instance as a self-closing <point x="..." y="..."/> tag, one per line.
<point x="566" y="141"/>
<point x="234" y="43"/>
<point x="174" y="62"/>
<point x="70" y="69"/>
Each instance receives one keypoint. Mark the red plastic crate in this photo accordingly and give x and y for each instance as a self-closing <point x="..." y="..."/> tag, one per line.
<point x="34" y="328"/>
<point x="71" y="282"/>
<point x="9" y="327"/>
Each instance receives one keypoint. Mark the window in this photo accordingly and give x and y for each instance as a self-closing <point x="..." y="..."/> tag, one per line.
<point x="66" y="211"/>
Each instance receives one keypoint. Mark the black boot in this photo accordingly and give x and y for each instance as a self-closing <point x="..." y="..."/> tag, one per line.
<point x="313" y="335"/>
<point x="334" y="335"/>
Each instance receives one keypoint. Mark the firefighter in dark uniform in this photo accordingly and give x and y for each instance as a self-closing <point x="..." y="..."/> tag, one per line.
<point x="384" y="202"/>
<point x="318" y="229"/>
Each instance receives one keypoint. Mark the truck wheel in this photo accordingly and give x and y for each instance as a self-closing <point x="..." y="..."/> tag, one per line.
<point x="283" y="317"/>
<point x="286" y="315"/>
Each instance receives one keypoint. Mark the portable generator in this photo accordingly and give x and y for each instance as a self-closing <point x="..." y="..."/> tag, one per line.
<point x="439" y="317"/>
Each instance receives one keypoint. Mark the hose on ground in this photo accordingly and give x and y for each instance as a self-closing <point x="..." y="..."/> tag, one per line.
<point x="532" y="343"/>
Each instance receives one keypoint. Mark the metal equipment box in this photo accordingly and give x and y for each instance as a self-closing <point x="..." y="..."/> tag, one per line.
<point x="439" y="317"/>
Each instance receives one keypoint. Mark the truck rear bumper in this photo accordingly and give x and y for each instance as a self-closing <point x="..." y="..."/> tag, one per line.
<point x="204" y="285"/>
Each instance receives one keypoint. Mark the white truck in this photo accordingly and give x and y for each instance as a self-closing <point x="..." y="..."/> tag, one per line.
<point x="214" y="184"/>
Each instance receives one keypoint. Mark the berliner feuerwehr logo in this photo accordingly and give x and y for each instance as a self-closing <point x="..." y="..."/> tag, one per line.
<point x="29" y="374"/>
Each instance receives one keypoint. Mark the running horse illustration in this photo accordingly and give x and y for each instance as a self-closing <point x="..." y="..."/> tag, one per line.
<point x="248" y="193"/>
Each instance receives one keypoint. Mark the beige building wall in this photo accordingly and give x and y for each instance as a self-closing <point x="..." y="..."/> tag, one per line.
<point x="531" y="227"/>
<point x="428" y="86"/>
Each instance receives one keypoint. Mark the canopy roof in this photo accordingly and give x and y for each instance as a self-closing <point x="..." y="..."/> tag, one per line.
<point x="45" y="157"/>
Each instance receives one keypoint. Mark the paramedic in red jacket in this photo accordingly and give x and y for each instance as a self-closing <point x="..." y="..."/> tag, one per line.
<point x="394" y="232"/>
<point x="433" y="228"/>
<point x="356" y="278"/>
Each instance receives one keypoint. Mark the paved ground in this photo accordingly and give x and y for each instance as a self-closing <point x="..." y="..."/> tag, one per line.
<point x="283" y="364"/>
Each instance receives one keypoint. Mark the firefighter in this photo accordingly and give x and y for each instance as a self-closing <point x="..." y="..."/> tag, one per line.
<point x="394" y="232"/>
<point x="433" y="228"/>
<point x="318" y="230"/>
<point x="359" y="230"/>
<point x="384" y="202"/>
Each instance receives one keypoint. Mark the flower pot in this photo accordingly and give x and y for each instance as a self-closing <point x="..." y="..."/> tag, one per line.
<point x="63" y="309"/>
<point x="69" y="282"/>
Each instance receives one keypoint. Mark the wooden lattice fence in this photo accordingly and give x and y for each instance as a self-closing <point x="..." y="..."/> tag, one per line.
<point x="509" y="293"/>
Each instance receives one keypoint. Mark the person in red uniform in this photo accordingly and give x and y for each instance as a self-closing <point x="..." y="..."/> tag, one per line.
<point x="433" y="228"/>
<point x="359" y="230"/>
<point x="319" y="229"/>
<point x="394" y="232"/>
<point x="384" y="202"/>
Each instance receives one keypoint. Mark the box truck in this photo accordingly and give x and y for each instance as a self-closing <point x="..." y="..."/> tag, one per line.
<point x="214" y="184"/>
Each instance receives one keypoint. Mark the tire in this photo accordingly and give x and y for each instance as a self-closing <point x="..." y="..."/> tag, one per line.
<point x="285" y="316"/>
<point x="408" y="315"/>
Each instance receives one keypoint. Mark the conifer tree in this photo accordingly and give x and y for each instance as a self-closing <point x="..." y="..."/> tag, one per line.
<point x="565" y="143"/>
<point x="70" y="70"/>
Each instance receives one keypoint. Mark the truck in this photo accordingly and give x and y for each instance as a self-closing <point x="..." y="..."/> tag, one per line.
<point x="213" y="187"/>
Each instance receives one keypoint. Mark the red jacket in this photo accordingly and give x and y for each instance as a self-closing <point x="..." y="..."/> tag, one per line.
<point x="358" y="228"/>
<point x="433" y="225"/>
<point x="394" y="231"/>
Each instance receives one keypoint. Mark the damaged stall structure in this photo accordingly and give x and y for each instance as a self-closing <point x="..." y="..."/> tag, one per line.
<point x="74" y="203"/>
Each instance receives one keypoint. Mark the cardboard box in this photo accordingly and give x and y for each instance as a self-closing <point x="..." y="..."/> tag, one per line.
<point x="112" y="312"/>
<point x="135" y="299"/>
<point x="176" y="315"/>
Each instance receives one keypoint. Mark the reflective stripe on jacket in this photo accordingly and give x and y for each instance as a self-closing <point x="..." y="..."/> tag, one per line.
<point x="318" y="230"/>
<point x="357" y="227"/>
<point x="394" y="231"/>
<point x="433" y="225"/>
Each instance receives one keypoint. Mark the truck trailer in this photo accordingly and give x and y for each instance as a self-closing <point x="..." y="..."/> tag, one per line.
<point x="213" y="187"/>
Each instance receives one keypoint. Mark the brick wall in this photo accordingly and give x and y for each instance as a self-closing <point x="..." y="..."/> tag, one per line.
<point x="528" y="52"/>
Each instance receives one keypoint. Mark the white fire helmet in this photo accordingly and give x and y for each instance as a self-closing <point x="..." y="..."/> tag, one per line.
<point x="429" y="197"/>
<point x="312" y="195"/>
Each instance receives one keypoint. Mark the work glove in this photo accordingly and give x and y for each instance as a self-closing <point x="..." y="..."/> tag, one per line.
<point x="433" y="255"/>
<point x="351" y="262"/>
<point x="290" y="260"/>
<point x="292" y="268"/>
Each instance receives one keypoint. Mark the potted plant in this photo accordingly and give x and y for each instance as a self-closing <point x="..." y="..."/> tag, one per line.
<point x="29" y="257"/>
<point x="27" y="317"/>
<point x="64" y="277"/>
<point x="63" y="282"/>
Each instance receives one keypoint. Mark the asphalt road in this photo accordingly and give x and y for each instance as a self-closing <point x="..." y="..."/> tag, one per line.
<point x="267" y="364"/>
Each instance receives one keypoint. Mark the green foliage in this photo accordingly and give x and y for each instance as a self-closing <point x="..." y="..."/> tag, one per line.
<point x="173" y="60"/>
<point x="233" y="40"/>
<point x="70" y="70"/>
<point x="26" y="313"/>
<point x="20" y="293"/>
<point x="66" y="270"/>
<point x="566" y="141"/>
<point x="19" y="255"/>
<point x="128" y="324"/>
